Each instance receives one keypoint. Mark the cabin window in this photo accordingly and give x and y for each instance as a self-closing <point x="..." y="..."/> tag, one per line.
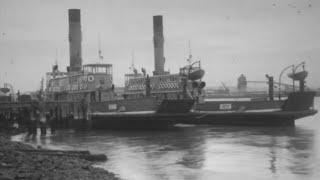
<point x="101" y="69"/>
<point x="109" y="70"/>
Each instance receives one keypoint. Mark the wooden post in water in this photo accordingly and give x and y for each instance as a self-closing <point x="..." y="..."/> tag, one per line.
<point x="42" y="118"/>
<point x="43" y="128"/>
<point x="33" y="122"/>
<point x="52" y="122"/>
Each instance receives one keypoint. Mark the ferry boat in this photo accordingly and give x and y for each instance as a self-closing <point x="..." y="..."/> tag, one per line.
<point x="86" y="94"/>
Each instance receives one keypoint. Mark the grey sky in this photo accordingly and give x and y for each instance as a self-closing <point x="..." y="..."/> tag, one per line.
<point x="231" y="37"/>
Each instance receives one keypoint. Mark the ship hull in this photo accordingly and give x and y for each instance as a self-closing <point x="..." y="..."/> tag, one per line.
<point x="139" y="114"/>
<point x="153" y="120"/>
<point x="150" y="113"/>
<point x="273" y="118"/>
<point x="258" y="113"/>
<point x="137" y="121"/>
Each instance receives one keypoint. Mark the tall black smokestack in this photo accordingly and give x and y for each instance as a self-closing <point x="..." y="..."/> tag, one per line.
<point x="158" y="46"/>
<point x="75" y="39"/>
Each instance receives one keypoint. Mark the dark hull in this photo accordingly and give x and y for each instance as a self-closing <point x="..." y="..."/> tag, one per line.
<point x="139" y="121"/>
<point x="257" y="113"/>
<point x="276" y="118"/>
<point x="165" y="121"/>
<point x="141" y="114"/>
<point x="239" y="105"/>
<point x="150" y="113"/>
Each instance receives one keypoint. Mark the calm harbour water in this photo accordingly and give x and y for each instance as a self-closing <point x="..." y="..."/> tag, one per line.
<point x="202" y="152"/>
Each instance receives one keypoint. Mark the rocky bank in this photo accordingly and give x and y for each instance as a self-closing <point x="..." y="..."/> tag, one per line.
<point x="21" y="165"/>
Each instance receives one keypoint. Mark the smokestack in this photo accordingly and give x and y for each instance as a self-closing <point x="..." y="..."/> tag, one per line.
<point x="158" y="46"/>
<point x="75" y="39"/>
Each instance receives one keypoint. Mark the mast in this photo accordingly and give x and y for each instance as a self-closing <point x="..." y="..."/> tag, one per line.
<point x="135" y="71"/>
<point x="99" y="51"/>
<point x="190" y="54"/>
<point x="56" y="60"/>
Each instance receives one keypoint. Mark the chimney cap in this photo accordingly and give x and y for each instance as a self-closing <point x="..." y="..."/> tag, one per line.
<point x="157" y="23"/>
<point x="74" y="15"/>
<point x="157" y="18"/>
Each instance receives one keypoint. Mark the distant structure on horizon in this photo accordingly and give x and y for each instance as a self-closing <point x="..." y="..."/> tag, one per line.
<point x="242" y="83"/>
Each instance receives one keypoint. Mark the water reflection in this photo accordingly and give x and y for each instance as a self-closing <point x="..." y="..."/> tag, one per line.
<point x="286" y="152"/>
<point x="197" y="152"/>
<point x="157" y="155"/>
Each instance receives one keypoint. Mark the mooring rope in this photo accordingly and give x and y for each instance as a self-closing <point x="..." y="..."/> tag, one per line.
<point x="202" y="116"/>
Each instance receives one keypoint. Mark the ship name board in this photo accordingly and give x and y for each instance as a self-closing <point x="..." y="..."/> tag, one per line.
<point x="112" y="107"/>
<point x="77" y="87"/>
<point x="225" y="106"/>
<point x="71" y="87"/>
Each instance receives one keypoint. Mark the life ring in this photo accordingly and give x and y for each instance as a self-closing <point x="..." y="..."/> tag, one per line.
<point x="90" y="79"/>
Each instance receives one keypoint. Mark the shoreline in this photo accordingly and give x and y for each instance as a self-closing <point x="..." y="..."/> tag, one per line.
<point x="15" y="164"/>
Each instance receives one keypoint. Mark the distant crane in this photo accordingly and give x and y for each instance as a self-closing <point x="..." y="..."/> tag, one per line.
<point x="227" y="90"/>
<point x="190" y="54"/>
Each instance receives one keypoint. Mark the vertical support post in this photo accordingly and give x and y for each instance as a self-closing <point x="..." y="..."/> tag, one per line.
<point x="52" y="121"/>
<point x="271" y="90"/>
<point x="43" y="128"/>
<point x="148" y="87"/>
<point x="18" y="94"/>
<point x="293" y="72"/>
<point x="184" y="87"/>
<point x="301" y="85"/>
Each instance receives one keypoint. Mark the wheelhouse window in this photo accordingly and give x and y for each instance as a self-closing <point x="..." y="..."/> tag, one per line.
<point x="98" y="69"/>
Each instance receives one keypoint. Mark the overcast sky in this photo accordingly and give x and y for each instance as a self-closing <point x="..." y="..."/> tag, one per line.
<point x="230" y="37"/>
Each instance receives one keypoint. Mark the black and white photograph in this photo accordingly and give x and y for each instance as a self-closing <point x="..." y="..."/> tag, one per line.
<point x="159" y="89"/>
